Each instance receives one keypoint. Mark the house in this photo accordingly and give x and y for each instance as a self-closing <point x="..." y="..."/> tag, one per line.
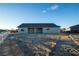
<point x="38" y="28"/>
<point x="74" y="29"/>
<point x="13" y="31"/>
<point x="65" y="30"/>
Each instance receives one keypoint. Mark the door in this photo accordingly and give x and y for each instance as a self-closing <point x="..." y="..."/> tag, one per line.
<point x="39" y="30"/>
<point x="30" y="30"/>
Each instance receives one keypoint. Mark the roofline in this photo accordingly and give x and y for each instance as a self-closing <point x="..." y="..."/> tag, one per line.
<point x="74" y="26"/>
<point x="38" y="23"/>
<point x="38" y="27"/>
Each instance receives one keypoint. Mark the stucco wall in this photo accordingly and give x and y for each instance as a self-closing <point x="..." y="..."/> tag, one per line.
<point x="25" y="30"/>
<point x="51" y="30"/>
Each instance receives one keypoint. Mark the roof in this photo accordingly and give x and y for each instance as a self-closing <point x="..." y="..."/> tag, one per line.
<point x="38" y="25"/>
<point x="75" y="26"/>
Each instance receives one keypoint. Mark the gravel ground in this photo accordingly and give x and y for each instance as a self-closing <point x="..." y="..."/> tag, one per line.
<point x="38" y="45"/>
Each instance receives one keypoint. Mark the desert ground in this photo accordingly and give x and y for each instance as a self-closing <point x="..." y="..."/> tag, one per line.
<point x="40" y="45"/>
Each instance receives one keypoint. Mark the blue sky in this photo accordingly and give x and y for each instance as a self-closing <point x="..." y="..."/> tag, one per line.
<point x="64" y="15"/>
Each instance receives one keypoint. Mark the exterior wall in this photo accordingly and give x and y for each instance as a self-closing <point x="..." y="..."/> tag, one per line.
<point x="25" y="30"/>
<point x="54" y="30"/>
<point x="50" y="31"/>
<point x="74" y="30"/>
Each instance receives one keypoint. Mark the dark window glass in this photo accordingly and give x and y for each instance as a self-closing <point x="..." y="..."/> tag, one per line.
<point x="22" y="29"/>
<point x="47" y="29"/>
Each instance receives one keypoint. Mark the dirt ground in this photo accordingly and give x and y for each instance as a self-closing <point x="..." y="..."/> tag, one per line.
<point x="39" y="45"/>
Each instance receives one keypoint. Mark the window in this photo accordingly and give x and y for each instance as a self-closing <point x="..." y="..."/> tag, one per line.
<point x="48" y="29"/>
<point x="22" y="29"/>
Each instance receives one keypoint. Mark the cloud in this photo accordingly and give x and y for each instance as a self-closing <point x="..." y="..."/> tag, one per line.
<point x="55" y="7"/>
<point x="44" y="11"/>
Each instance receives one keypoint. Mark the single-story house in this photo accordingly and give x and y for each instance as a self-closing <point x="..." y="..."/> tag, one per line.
<point x="74" y="28"/>
<point x="38" y="28"/>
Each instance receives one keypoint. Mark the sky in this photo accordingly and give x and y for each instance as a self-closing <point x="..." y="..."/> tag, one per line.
<point x="62" y="14"/>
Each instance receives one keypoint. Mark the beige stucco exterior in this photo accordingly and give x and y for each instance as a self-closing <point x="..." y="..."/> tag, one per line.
<point x="44" y="30"/>
<point x="51" y="30"/>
